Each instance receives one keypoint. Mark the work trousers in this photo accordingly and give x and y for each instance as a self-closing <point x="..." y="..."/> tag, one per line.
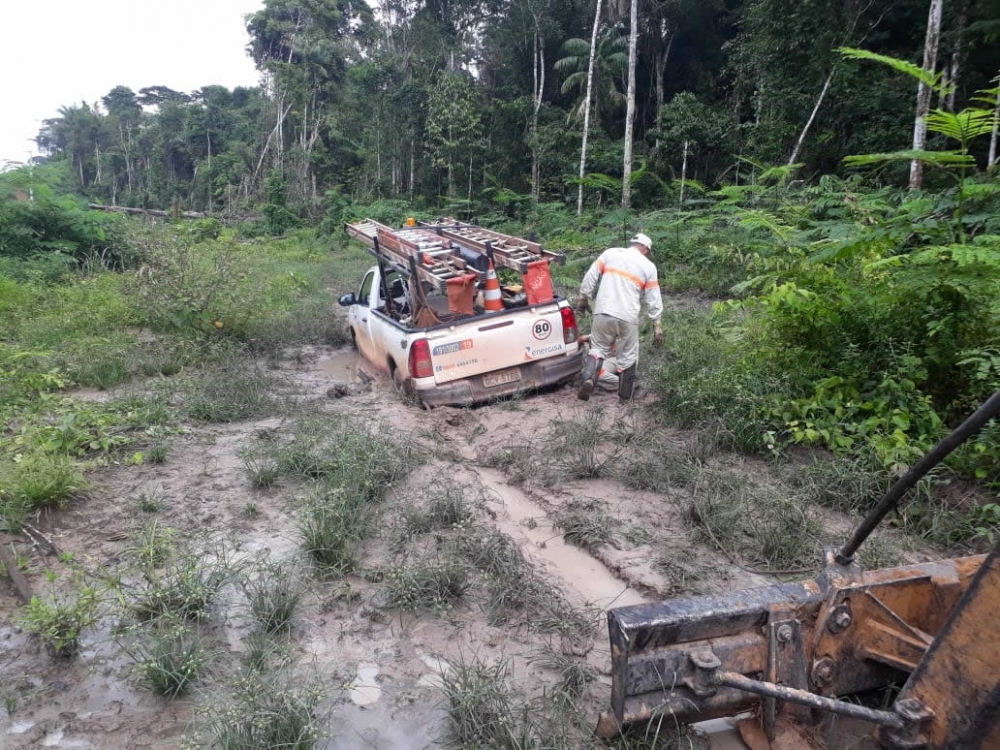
<point x="610" y="337"/>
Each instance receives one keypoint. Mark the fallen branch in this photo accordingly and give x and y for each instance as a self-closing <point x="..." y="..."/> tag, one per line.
<point x="39" y="539"/>
<point x="21" y="584"/>
<point x="145" y="211"/>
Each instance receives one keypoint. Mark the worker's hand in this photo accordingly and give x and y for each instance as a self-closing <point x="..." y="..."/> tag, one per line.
<point x="582" y="303"/>
<point x="658" y="334"/>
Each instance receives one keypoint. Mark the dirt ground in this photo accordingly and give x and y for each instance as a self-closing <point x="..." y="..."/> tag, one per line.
<point x="386" y="665"/>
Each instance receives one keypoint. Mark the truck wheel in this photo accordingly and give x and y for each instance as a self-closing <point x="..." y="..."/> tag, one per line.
<point x="354" y="340"/>
<point x="399" y="380"/>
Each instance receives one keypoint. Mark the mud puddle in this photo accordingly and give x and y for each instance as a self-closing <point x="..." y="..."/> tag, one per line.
<point x="592" y="582"/>
<point x="345" y="366"/>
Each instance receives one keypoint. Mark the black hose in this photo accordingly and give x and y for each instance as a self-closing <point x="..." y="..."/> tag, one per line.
<point x="936" y="455"/>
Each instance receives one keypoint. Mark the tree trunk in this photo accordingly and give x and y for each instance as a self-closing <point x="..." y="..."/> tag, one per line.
<point x="539" y="82"/>
<point x="413" y="149"/>
<point x="958" y="53"/>
<point x="267" y="143"/>
<point x="661" y="74"/>
<point x="451" y="156"/>
<point x="586" y="106"/>
<point x="812" y="117"/>
<point x="684" y="171"/>
<point x="992" y="158"/>
<point x="633" y="43"/>
<point x="924" y="92"/>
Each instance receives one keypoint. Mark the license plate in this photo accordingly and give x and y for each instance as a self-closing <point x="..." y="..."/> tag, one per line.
<point x="501" y="378"/>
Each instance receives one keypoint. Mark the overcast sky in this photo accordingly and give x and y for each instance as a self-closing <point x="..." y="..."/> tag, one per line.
<point x="58" y="52"/>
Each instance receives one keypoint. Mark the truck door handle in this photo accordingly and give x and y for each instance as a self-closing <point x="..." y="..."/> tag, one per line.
<point x="364" y="320"/>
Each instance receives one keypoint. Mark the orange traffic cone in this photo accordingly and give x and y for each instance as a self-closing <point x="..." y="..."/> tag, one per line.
<point x="492" y="300"/>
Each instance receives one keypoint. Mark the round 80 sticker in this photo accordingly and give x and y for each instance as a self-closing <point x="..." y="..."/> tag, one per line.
<point x="541" y="329"/>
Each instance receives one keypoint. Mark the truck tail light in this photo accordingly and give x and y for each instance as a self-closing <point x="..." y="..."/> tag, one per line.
<point x="420" y="359"/>
<point x="570" y="332"/>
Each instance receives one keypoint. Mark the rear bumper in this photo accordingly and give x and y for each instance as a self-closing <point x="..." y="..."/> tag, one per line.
<point x="551" y="371"/>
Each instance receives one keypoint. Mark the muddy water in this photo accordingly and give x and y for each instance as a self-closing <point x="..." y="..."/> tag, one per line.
<point x="526" y="522"/>
<point x="344" y="366"/>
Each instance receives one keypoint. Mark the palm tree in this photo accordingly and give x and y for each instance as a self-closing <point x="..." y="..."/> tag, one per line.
<point x="75" y="132"/>
<point x="610" y="67"/>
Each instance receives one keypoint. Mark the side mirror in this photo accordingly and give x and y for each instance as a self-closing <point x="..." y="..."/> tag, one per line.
<point x="348" y="299"/>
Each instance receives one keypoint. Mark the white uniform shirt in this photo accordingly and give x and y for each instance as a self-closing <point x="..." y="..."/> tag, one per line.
<point x="626" y="277"/>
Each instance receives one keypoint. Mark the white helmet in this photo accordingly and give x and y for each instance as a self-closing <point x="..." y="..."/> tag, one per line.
<point x="642" y="239"/>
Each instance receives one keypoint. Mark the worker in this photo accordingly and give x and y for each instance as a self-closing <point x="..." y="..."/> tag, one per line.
<point x="619" y="281"/>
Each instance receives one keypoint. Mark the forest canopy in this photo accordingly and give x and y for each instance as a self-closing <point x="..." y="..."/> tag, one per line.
<point x="484" y="101"/>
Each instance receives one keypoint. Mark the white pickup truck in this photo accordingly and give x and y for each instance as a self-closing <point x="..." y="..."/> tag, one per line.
<point x="465" y="361"/>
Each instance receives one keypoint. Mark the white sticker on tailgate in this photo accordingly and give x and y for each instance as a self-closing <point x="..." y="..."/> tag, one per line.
<point x="501" y="378"/>
<point x="453" y="360"/>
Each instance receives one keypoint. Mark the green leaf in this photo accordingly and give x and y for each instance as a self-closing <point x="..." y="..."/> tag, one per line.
<point x="938" y="158"/>
<point x="903" y="66"/>
<point x="962" y="126"/>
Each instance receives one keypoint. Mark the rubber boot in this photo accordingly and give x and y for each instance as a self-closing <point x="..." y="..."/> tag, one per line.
<point x="626" y="384"/>
<point x="591" y="369"/>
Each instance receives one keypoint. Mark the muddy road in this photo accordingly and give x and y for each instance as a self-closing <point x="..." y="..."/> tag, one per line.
<point x="594" y="496"/>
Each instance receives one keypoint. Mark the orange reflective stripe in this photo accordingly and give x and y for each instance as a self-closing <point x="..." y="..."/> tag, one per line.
<point x="651" y="285"/>
<point x="626" y="275"/>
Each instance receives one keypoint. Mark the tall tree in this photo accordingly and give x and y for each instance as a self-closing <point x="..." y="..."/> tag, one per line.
<point x="924" y="92"/>
<point x="586" y="105"/>
<point x="633" y="42"/>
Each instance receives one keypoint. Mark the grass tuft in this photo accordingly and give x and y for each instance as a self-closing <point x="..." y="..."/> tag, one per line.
<point x="170" y="659"/>
<point x="585" y="524"/>
<point x="426" y="585"/>
<point x="38" y="480"/>
<point x="273" y="593"/>
<point x="519" y="463"/>
<point x="447" y="508"/>
<point x="481" y="706"/>
<point x="332" y="528"/>
<point x="182" y="590"/>
<point x="268" y="709"/>
<point x="157" y="453"/>
<point x="575" y="675"/>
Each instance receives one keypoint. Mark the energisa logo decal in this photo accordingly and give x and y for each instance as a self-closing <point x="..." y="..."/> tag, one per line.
<point x="452" y="348"/>
<point x="541" y="330"/>
<point x="530" y="354"/>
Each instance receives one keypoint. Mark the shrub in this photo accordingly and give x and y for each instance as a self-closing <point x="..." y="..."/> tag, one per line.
<point x="58" y="622"/>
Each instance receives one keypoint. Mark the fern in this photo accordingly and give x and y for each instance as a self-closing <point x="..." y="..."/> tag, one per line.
<point x="936" y="158"/>
<point x="933" y="80"/>
<point x="962" y="126"/>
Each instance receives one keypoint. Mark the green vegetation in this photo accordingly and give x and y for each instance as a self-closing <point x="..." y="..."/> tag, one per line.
<point x="273" y="593"/>
<point x="272" y="708"/>
<point x="169" y="658"/>
<point x="182" y="316"/>
<point x="59" y="620"/>
<point x="486" y="709"/>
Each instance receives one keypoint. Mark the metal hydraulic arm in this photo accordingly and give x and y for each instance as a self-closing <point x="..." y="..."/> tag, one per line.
<point x="788" y="651"/>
